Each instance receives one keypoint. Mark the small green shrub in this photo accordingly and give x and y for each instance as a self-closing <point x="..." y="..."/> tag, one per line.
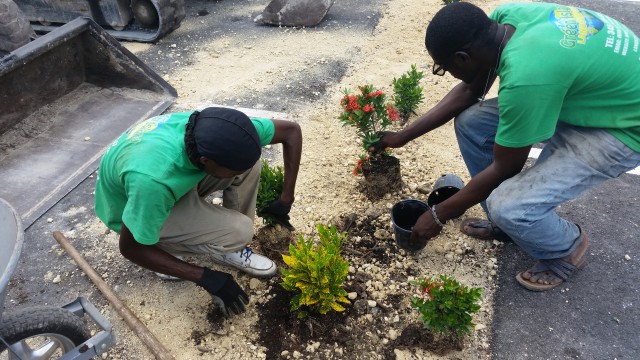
<point x="447" y="2"/>
<point x="317" y="272"/>
<point x="269" y="189"/>
<point x="445" y="305"/>
<point x="408" y="93"/>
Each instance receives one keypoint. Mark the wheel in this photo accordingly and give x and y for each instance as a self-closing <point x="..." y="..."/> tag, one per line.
<point x="15" y="29"/>
<point x="41" y="332"/>
<point x="145" y="13"/>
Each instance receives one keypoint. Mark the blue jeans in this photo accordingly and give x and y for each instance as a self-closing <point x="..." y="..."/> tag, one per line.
<point x="573" y="160"/>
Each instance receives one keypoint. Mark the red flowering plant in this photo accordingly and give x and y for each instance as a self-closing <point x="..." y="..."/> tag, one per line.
<point x="445" y="305"/>
<point x="369" y="113"/>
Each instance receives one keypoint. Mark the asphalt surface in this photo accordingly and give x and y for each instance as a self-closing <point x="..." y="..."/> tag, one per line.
<point x="593" y="316"/>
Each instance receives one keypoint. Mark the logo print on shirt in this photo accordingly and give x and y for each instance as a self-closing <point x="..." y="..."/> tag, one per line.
<point x="576" y="24"/>
<point x="135" y="133"/>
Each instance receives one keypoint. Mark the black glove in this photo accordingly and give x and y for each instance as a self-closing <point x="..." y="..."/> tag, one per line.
<point x="225" y="291"/>
<point x="279" y="212"/>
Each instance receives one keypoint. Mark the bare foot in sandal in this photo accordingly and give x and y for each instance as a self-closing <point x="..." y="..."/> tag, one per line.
<point x="482" y="229"/>
<point x="547" y="274"/>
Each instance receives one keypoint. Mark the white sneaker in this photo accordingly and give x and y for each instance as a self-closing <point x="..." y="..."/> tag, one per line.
<point x="247" y="261"/>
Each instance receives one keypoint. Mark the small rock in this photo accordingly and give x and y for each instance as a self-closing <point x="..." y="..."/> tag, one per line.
<point x="352" y="295"/>
<point x="380" y="234"/>
<point x="627" y="257"/>
<point x="203" y="349"/>
<point x="57" y="279"/>
<point x="423" y="189"/>
<point x="360" y="306"/>
<point x="479" y="327"/>
<point x="373" y="213"/>
<point x="255" y="284"/>
<point x="284" y="353"/>
<point x="49" y="220"/>
<point x="372" y="303"/>
<point x="399" y="354"/>
<point x="220" y="332"/>
<point x="392" y="335"/>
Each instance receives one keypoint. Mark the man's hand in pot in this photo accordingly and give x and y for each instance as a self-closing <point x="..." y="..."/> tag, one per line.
<point x="425" y="228"/>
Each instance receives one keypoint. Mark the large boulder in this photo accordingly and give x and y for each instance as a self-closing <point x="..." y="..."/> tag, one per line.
<point x="294" y="12"/>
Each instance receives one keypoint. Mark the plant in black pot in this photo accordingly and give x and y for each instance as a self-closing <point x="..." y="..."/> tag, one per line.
<point x="369" y="113"/>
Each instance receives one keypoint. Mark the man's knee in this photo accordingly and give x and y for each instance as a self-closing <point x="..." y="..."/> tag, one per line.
<point x="463" y="123"/>
<point x="504" y="209"/>
<point x="242" y="229"/>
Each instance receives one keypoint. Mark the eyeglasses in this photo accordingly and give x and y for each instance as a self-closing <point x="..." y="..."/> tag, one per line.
<point x="438" y="70"/>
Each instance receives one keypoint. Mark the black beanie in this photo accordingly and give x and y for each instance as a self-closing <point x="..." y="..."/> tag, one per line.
<point x="228" y="137"/>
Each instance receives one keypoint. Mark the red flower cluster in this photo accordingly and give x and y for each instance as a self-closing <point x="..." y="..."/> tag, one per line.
<point x="350" y="103"/>
<point x="426" y="291"/>
<point x="368" y="112"/>
<point x="357" y="170"/>
<point x="393" y="113"/>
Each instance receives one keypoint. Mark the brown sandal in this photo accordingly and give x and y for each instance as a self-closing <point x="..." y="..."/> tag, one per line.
<point x="557" y="268"/>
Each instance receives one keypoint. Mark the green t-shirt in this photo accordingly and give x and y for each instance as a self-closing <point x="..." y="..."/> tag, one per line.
<point x="566" y="64"/>
<point x="146" y="170"/>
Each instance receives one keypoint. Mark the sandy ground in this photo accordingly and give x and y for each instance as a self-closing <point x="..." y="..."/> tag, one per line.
<point x="173" y="311"/>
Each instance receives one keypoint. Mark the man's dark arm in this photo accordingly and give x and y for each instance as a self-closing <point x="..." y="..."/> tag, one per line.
<point x="156" y="259"/>
<point x="507" y="163"/>
<point x="456" y="101"/>
<point x="289" y="134"/>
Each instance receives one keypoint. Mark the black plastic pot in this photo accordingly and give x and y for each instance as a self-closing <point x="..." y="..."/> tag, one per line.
<point x="404" y="216"/>
<point x="444" y="188"/>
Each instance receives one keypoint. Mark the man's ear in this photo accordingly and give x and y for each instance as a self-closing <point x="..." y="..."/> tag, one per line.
<point x="461" y="57"/>
<point x="203" y="160"/>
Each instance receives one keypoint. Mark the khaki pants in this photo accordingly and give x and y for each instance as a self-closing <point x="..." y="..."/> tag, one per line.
<point x="195" y="226"/>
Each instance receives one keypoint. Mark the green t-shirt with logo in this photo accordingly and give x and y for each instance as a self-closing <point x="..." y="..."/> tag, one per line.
<point x="566" y="64"/>
<point x="146" y="170"/>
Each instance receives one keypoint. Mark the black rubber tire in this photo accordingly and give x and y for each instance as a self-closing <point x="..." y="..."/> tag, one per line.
<point x="15" y="29"/>
<point x="145" y="13"/>
<point x="171" y="14"/>
<point x="37" y="320"/>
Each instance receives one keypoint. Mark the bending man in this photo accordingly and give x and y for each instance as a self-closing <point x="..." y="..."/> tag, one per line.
<point x="153" y="181"/>
<point x="568" y="77"/>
